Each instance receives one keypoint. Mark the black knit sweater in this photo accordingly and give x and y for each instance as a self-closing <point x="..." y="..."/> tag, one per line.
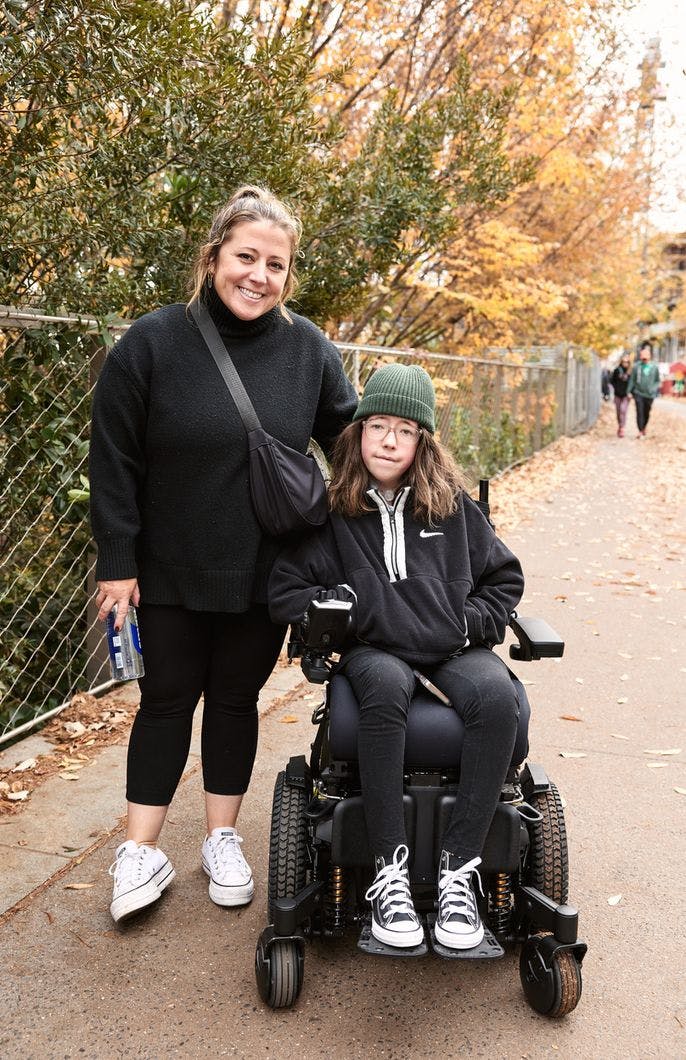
<point x="170" y="499"/>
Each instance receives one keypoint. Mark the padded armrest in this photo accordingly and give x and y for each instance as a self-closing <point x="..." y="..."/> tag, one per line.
<point x="537" y="640"/>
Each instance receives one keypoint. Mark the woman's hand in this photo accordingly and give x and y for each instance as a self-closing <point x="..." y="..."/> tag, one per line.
<point x="120" y="593"/>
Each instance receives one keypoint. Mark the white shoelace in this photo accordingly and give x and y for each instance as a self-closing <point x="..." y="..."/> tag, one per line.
<point x="226" y="854"/>
<point x="128" y="868"/>
<point x="455" y="890"/>
<point x="392" y="879"/>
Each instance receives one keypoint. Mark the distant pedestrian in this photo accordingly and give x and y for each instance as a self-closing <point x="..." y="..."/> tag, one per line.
<point x="644" y="385"/>
<point x="620" y="384"/>
<point x="605" y="383"/>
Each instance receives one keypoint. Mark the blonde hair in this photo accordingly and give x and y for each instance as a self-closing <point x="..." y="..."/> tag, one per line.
<point x="435" y="479"/>
<point x="248" y="203"/>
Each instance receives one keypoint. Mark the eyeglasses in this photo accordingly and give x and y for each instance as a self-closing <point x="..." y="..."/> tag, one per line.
<point x="378" y="430"/>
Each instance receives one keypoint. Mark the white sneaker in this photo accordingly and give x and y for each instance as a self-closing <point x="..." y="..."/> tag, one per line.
<point x="458" y="924"/>
<point x="231" y="881"/>
<point x="140" y="874"/>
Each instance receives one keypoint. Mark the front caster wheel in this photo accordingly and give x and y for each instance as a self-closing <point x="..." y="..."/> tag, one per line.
<point x="279" y="969"/>
<point x="551" y="978"/>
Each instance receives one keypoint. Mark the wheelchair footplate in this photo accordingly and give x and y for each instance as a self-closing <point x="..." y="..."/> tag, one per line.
<point x="368" y="944"/>
<point x="488" y="947"/>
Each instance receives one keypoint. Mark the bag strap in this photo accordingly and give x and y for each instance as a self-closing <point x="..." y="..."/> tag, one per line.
<point x="222" y="358"/>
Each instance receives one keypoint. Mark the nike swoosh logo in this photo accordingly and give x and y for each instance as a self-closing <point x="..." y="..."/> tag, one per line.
<point x="431" y="533"/>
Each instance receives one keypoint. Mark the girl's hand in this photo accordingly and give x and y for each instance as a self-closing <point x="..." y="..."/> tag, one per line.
<point x="120" y="593"/>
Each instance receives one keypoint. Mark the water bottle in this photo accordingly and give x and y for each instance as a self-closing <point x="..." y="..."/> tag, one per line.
<point x="126" y="657"/>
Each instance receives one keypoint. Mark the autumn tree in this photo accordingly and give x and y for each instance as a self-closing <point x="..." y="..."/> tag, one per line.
<point x="555" y="260"/>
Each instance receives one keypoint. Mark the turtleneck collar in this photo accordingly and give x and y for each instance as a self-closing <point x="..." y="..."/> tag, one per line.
<point x="229" y="324"/>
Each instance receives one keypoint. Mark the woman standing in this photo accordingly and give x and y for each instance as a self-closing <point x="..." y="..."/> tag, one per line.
<point x="177" y="536"/>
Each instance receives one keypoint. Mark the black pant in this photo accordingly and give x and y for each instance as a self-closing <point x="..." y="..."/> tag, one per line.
<point x="643" y="407"/>
<point x="226" y="657"/>
<point x="480" y="688"/>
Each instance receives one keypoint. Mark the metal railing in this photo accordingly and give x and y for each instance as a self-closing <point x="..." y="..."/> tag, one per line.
<point x="492" y="412"/>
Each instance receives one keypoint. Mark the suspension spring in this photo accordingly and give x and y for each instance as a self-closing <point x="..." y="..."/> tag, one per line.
<point x="335" y="901"/>
<point x="501" y="904"/>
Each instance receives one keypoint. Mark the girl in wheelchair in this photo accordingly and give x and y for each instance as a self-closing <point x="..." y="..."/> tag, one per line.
<point x="432" y="589"/>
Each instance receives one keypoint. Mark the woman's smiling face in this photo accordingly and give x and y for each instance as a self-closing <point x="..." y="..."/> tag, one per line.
<point x="251" y="268"/>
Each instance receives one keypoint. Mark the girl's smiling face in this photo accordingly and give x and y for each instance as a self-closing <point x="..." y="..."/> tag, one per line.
<point x="251" y="268"/>
<point x="387" y="456"/>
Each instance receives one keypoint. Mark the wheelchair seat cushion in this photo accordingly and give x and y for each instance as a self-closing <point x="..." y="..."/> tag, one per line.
<point x="434" y="732"/>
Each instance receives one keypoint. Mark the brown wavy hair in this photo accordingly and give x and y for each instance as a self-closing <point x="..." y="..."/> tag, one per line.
<point x="436" y="480"/>
<point x="248" y="203"/>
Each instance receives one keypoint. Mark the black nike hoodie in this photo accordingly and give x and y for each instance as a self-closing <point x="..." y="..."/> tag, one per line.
<point x="421" y="592"/>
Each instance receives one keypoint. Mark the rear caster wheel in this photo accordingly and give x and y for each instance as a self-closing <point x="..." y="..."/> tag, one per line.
<point x="279" y="972"/>
<point x="551" y="981"/>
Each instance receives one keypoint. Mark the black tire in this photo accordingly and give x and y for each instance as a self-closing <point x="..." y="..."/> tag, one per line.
<point x="553" y="993"/>
<point x="280" y="982"/>
<point x="288" y="859"/>
<point x="549" y="862"/>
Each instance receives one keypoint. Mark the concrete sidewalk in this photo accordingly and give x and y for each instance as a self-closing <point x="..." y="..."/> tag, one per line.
<point x="62" y="822"/>
<point x="602" y="539"/>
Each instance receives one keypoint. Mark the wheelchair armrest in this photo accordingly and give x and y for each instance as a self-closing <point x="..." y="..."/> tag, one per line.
<point x="321" y="632"/>
<point x="537" y="640"/>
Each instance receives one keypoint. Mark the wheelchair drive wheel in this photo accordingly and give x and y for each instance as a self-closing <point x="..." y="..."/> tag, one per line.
<point x="287" y="843"/>
<point x="549" y="859"/>
<point x="551" y="978"/>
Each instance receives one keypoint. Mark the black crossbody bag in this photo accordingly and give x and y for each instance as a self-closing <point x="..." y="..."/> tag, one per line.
<point x="287" y="488"/>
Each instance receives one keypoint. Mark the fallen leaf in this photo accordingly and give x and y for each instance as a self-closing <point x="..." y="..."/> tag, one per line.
<point x="68" y="776"/>
<point x="614" y="899"/>
<point x="78" y="886"/>
<point x="624" y="677"/>
<point x="656" y="765"/>
<point x="669" y="751"/>
<point x="618" y="736"/>
<point x="570" y="717"/>
<point x="572" y="754"/>
<point x="579" y="680"/>
<point x="624" y="655"/>
<point x="17" y="796"/>
<point x="28" y="763"/>
<point x="680" y="791"/>
<point x="623" y="699"/>
<point x="288" y="719"/>
<point x="76" y="728"/>
<point x="51" y="919"/>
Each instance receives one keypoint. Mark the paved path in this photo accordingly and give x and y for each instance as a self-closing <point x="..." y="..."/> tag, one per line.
<point x="604" y="557"/>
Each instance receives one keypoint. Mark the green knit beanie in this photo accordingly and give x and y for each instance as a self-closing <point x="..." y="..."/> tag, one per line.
<point x="403" y="390"/>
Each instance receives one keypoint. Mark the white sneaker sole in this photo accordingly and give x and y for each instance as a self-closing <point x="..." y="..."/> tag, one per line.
<point x="132" y="902"/>
<point x="400" y="939"/>
<point x="241" y="894"/>
<point x="458" y="942"/>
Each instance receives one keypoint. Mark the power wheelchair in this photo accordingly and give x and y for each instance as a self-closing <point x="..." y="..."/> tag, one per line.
<point x="320" y="864"/>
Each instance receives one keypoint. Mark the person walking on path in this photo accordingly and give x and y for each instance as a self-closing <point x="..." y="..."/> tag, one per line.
<point x="644" y="385"/>
<point x="432" y="588"/>
<point x="620" y="384"/>
<point x="177" y="536"/>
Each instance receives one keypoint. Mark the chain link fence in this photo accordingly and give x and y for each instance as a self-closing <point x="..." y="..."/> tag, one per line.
<point x="492" y="412"/>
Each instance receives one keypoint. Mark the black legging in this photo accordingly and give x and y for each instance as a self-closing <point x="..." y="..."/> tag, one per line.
<point x="226" y="657"/>
<point x="480" y="688"/>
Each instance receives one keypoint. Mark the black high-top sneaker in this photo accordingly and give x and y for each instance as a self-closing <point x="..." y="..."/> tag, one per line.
<point x="394" y="920"/>
<point x="458" y="924"/>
